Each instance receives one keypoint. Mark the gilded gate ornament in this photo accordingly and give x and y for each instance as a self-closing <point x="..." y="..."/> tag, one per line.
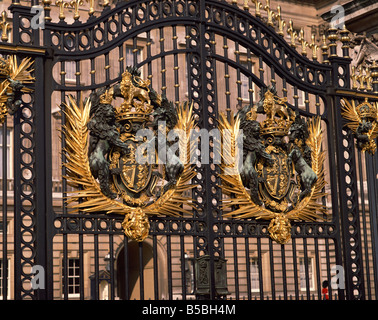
<point x="14" y="77"/>
<point x="109" y="158"/>
<point x="281" y="176"/>
<point x="363" y="121"/>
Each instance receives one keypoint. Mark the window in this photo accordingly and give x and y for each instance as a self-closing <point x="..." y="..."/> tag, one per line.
<point x="301" y="98"/>
<point x="70" y="67"/>
<point x="73" y="277"/>
<point x="244" y="85"/>
<point x="303" y="275"/>
<point x="130" y="56"/>
<point x="9" y="155"/>
<point x="255" y="283"/>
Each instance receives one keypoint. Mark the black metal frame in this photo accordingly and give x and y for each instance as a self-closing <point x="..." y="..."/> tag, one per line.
<point x="204" y="21"/>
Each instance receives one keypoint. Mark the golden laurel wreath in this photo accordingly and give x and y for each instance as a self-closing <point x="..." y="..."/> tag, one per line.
<point x="309" y="208"/>
<point x="88" y="196"/>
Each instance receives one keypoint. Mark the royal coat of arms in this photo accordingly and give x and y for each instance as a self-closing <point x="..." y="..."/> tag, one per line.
<point x="363" y="121"/>
<point x="281" y="175"/>
<point x="114" y="153"/>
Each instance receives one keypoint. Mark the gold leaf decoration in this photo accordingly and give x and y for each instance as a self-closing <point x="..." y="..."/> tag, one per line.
<point x="15" y="71"/>
<point x="363" y="121"/>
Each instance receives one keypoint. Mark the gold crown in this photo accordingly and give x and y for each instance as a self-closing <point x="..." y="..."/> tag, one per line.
<point x="107" y="97"/>
<point x="277" y="127"/>
<point x="135" y="112"/>
<point x="366" y="110"/>
<point x="137" y="104"/>
<point x="275" y="106"/>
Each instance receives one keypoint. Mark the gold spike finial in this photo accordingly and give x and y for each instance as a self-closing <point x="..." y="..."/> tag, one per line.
<point x="293" y="34"/>
<point x="4" y="26"/>
<point x="62" y="4"/>
<point x="314" y="47"/>
<point x="245" y="5"/>
<point x="324" y="48"/>
<point x="281" y="22"/>
<point x="91" y="7"/>
<point x="258" y="6"/>
<point x="76" y="4"/>
<point x="353" y="77"/>
<point x="303" y="42"/>
<point x="369" y="79"/>
<point x="47" y="8"/>
<point x="270" y="13"/>
<point x="361" y="78"/>
<point x="106" y="3"/>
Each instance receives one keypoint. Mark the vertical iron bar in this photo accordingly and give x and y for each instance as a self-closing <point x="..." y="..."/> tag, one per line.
<point x="238" y="81"/>
<point x="162" y="60"/>
<point x="364" y="224"/>
<point x="96" y="258"/>
<point x="305" y="256"/>
<point x="182" y="261"/>
<point x="156" y="267"/>
<point x="107" y="67"/>
<point x="65" y="264"/>
<point x="317" y="257"/>
<point x="236" y="272"/>
<point x="284" y="271"/>
<point x="141" y="269"/>
<point x="176" y="66"/>
<point x="250" y="82"/>
<point x="111" y="265"/>
<point x="126" y="271"/>
<point x="248" y="268"/>
<point x="149" y="65"/>
<point x="227" y="79"/>
<point x="17" y="204"/>
<point x="328" y="269"/>
<point x="169" y="264"/>
<point x="295" y="264"/>
<point x="271" y="262"/>
<point x="81" y="262"/>
<point x="259" y="261"/>
<point x="121" y="59"/>
<point x="135" y="51"/>
<point x="4" y="267"/>
<point x="372" y="181"/>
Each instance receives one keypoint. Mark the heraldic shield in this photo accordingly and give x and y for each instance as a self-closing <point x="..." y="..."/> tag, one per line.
<point x="281" y="177"/>
<point x="112" y="156"/>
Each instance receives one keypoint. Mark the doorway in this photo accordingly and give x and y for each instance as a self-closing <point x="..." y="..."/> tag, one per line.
<point x="134" y="282"/>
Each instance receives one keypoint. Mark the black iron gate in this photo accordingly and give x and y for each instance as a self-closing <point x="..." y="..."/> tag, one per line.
<point x="218" y="56"/>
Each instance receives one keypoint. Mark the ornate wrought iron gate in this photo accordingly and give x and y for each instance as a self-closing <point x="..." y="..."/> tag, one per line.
<point x="219" y="57"/>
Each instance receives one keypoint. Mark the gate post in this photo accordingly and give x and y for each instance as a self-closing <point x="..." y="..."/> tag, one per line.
<point x="347" y="179"/>
<point x="204" y="99"/>
<point x="32" y="163"/>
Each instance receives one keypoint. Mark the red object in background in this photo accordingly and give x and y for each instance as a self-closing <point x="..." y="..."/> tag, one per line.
<point x="325" y="290"/>
<point x="325" y="293"/>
